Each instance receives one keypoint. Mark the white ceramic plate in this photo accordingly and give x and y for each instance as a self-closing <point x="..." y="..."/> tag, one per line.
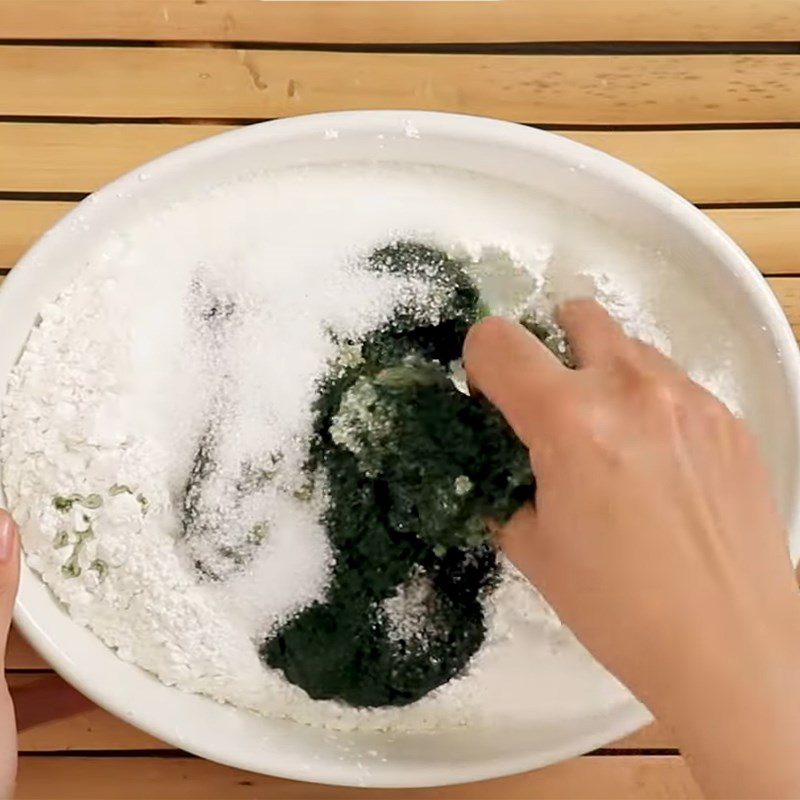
<point x="579" y="175"/>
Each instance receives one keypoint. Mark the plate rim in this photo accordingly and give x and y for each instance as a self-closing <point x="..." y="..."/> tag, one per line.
<point x="631" y="716"/>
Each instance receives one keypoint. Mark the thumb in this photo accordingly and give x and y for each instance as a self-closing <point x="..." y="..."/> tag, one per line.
<point x="9" y="573"/>
<point x="514" y="371"/>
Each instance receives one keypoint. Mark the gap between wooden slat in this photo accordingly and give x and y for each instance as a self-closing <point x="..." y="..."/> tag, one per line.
<point x="212" y="82"/>
<point x="79" y="119"/>
<point x="485" y="49"/>
<point x="93" y="729"/>
<point x="96" y="729"/>
<point x="597" y="777"/>
<point x="771" y="237"/>
<point x="389" y="22"/>
<point x="720" y="166"/>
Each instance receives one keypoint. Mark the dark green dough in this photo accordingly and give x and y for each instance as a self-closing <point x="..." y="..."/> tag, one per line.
<point x="394" y="513"/>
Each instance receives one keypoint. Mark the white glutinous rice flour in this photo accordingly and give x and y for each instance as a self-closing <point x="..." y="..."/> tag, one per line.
<point x="209" y="323"/>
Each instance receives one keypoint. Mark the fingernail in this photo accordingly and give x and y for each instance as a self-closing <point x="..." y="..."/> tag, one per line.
<point x="8" y="535"/>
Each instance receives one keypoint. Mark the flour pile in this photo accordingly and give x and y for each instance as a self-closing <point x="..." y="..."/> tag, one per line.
<point x="173" y="349"/>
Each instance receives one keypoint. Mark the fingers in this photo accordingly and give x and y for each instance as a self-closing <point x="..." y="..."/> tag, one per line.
<point x="9" y="572"/>
<point x="593" y="336"/>
<point x="513" y="370"/>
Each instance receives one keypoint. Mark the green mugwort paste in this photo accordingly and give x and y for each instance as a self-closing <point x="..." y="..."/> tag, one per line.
<point x="414" y="470"/>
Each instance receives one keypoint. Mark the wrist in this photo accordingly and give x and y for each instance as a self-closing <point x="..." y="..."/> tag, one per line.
<point x="730" y="699"/>
<point x="731" y="660"/>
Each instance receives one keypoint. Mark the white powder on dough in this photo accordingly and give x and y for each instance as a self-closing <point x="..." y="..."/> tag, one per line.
<point x="118" y="380"/>
<point x="407" y="606"/>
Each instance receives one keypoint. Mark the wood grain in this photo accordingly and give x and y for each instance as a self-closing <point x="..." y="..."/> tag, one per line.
<point x="20" y="655"/>
<point x="347" y="22"/>
<point x="81" y="158"/>
<point x="787" y="290"/>
<point x="707" y="166"/>
<point x="770" y="236"/>
<point x="596" y="777"/>
<point x="176" y="76"/>
<point x="97" y="729"/>
<point x="22" y="223"/>
<point x="229" y="83"/>
<point x="92" y="729"/>
<point x="722" y="166"/>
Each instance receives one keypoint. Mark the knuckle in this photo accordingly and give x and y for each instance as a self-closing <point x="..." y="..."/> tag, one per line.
<point x="708" y="401"/>
<point x="741" y="436"/>
<point x="653" y="389"/>
<point x="664" y="395"/>
<point x="636" y="357"/>
<point x="659" y="397"/>
<point x="587" y="421"/>
<point x="715" y="410"/>
<point x="487" y="332"/>
<point x="704" y="407"/>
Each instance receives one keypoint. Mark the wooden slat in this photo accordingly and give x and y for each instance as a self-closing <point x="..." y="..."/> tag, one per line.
<point x="99" y="729"/>
<point x="723" y="166"/>
<point x="596" y="777"/>
<point x="382" y="22"/>
<point x="652" y="737"/>
<point x="92" y="729"/>
<point x="787" y="290"/>
<point x="771" y="236"/>
<point x="228" y="83"/>
<point x="96" y="729"/>
<point x="81" y="158"/>
<point x="22" y="223"/>
<point x="716" y="166"/>
<point x="20" y="655"/>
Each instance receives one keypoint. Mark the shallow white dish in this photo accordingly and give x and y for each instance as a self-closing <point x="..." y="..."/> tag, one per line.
<point x="579" y="175"/>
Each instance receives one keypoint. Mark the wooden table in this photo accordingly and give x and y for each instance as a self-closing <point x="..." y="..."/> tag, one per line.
<point x="703" y="94"/>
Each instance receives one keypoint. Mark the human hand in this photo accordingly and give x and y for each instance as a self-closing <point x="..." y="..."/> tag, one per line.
<point x="9" y="581"/>
<point x="655" y="539"/>
<point x="43" y="700"/>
